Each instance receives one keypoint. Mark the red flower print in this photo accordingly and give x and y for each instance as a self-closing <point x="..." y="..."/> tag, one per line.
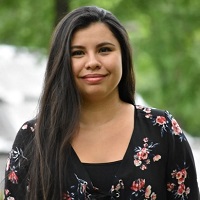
<point x="13" y="177"/>
<point x="139" y="189"/>
<point x="181" y="176"/>
<point x="170" y="186"/>
<point x="143" y="154"/>
<point x="181" y="189"/>
<point x="66" y="197"/>
<point x="161" y="120"/>
<point x="138" y="184"/>
<point x="176" y="128"/>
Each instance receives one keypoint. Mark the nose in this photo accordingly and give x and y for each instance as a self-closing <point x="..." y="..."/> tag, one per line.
<point x="92" y="62"/>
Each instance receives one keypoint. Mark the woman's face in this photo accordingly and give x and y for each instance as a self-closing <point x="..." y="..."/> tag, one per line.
<point x="96" y="62"/>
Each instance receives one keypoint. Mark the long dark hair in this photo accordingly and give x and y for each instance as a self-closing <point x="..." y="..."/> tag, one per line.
<point x="59" y="109"/>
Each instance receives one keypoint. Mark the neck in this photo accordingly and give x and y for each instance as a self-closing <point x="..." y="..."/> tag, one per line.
<point x="98" y="113"/>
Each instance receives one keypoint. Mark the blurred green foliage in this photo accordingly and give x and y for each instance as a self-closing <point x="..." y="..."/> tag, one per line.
<point x="165" y="37"/>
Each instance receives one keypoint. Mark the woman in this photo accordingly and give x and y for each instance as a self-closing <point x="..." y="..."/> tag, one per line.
<point x="90" y="140"/>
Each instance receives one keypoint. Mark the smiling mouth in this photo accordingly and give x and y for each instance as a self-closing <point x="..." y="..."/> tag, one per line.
<point x="93" y="78"/>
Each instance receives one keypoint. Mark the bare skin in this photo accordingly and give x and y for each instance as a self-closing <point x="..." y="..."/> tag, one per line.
<point x="104" y="133"/>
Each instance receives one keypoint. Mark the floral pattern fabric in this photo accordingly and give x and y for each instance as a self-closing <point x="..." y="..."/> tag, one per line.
<point x="158" y="164"/>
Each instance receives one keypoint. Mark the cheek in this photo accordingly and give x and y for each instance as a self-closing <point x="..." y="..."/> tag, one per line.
<point x="75" y="67"/>
<point x="116" y="64"/>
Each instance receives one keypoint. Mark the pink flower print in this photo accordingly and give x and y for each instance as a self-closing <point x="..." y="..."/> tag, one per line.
<point x="153" y="196"/>
<point x="156" y="158"/>
<point x="32" y="129"/>
<point x="161" y="120"/>
<point x="139" y="189"/>
<point x="147" y="191"/>
<point x="139" y="107"/>
<point x="25" y="126"/>
<point x="143" y="167"/>
<point x="147" y="110"/>
<point x="119" y="185"/>
<point x="138" y="184"/>
<point x="175" y="127"/>
<point x="13" y="177"/>
<point x="137" y="162"/>
<point x="147" y="161"/>
<point x="7" y="191"/>
<point x="173" y="174"/>
<point x="145" y="145"/>
<point x="187" y="191"/>
<point x="148" y="116"/>
<point x="146" y="139"/>
<point x="170" y="186"/>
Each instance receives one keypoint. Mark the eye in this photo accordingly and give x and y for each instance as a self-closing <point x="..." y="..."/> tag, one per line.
<point x="105" y="49"/>
<point x="77" y="53"/>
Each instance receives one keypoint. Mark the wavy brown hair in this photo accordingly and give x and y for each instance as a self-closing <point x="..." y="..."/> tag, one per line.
<point x="59" y="108"/>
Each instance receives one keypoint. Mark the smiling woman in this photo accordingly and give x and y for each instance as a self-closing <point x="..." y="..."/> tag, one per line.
<point x="89" y="139"/>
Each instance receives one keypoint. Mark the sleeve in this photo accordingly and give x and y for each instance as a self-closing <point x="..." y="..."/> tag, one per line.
<point x="16" y="181"/>
<point x="181" y="171"/>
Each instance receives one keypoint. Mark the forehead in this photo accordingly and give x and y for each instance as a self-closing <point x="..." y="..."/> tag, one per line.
<point x="94" y="32"/>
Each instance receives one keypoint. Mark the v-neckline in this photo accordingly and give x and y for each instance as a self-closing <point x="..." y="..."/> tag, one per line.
<point x="82" y="172"/>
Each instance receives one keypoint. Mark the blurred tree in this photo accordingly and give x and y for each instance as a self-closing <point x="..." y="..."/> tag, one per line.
<point x="61" y="8"/>
<point x="26" y="22"/>
<point x="165" y="36"/>
<point x="171" y="44"/>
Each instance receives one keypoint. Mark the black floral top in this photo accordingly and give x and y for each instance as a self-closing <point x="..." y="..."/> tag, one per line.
<point x="158" y="165"/>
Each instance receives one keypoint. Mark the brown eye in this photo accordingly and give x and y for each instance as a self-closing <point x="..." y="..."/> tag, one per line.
<point x="105" y="49"/>
<point x="77" y="53"/>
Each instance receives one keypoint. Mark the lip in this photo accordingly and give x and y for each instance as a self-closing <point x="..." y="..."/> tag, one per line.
<point x="93" y="78"/>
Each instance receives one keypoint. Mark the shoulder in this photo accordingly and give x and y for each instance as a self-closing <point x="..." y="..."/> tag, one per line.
<point x="25" y="134"/>
<point x="162" y="119"/>
<point x="150" y="111"/>
<point x="18" y="162"/>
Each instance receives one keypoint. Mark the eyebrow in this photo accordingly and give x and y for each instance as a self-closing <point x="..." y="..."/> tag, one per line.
<point x="99" y="45"/>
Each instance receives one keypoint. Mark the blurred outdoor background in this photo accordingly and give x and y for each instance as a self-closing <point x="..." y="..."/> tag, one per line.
<point x="165" y="36"/>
